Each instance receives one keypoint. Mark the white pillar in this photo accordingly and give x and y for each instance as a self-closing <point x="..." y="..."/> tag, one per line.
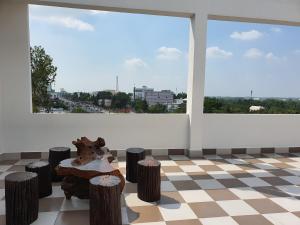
<point x="196" y="79"/>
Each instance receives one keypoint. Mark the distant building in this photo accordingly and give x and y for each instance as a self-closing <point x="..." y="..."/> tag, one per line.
<point x="105" y="102"/>
<point x="139" y="93"/>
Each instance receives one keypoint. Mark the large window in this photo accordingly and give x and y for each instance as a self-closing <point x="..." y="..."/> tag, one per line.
<point x="107" y="62"/>
<point x="252" y="68"/>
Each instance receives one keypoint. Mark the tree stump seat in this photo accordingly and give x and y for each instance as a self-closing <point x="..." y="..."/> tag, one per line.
<point x="148" y="184"/>
<point x="56" y="155"/>
<point x="42" y="169"/>
<point x="21" y="198"/>
<point x="133" y="155"/>
<point x="105" y="200"/>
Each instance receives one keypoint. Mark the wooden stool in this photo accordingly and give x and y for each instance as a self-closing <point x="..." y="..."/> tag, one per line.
<point x="42" y="169"/>
<point x="56" y="155"/>
<point x="105" y="200"/>
<point x="133" y="155"/>
<point x="149" y="180"/>
<point x="21" y="198"/>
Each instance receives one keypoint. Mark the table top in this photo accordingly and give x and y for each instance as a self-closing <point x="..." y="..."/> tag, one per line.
<point x="98" y="165"/>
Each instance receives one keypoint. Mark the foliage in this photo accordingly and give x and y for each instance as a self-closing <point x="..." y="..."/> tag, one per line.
<point x="140" y="106"/>
<point x="78" y="110"/>
<point x="242" y="105"/>
<point x="120" y="100"/>
<point x="158" y="108"/>
<point x="43" y="74"/>
<point x="181" y="95"/>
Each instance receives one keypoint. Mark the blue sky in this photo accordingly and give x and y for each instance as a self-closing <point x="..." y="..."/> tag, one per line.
<point x="90" y="48"/>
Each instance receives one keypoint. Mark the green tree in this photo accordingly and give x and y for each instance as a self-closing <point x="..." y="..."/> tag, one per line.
<point x="140" y="106"/>
<point x="120" y="100"/>
<point x="158" y="108"/>
<point x="43" y="74"/>
<point x="78" y="110"/>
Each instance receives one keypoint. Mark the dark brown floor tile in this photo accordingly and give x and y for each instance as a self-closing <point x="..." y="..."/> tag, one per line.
<point x="161" y="157"/>
<point x="232" y="183"/>
<point x="251" y="220"/>
<point x="144" y="214"/>
<point x="210" y="168"/>
<point x="297" y="214"/>
<point x="78" y="217"/>
<point x="31" y="155"/>
<point x="163" y="177"/>
<point x="271" y="192"/>
<point x="184" y="162"/>
<point x="50" y="204"/>
<point x="8" y="162"/>
<point x="170" y="198"/>
<point x="241" y="173"/>
<point x="2" y="220"/>
<point x="281" y="165"/>
<point x="247" y="166"/>
<point x="265" y="206"/>
<point x="18" y="168"/>
<point x="221" y="194"/>
<point x="199" y="175"/>
<point x="207" y="209"/>
<point x="280" y="173"/>
<point x="254" y="160"/>
<point x="275" y="181"/>
<point x="185" y="185"/>
<point x="171" y="169"/>
<point x="130" y="188"/>
<point x="184" y="222"/>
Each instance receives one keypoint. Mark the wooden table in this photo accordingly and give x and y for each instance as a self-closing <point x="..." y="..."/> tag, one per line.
<point x="76" y="181"/>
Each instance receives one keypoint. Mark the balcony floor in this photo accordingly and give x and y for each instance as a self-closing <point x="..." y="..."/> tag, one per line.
<point x="215" y="190"/>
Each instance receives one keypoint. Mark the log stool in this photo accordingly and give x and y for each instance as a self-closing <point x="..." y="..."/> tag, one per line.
<point x="105" y="200"/>
<point x="133" y="155"/>
<point x="21" y="198"/>
<point x="148" y="184"/>
<point x="42" y="169"/>
<point x="56" y="155"/>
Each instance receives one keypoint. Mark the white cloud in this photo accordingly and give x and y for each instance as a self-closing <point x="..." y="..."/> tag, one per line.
<point x="216" y="52"/>
<point x="96" y="12"/>
<point x="166" y="53"/>
<point x="276" y="29"/>
<point x="253" y="53"/>
<point x="271" y="57"/>
<point x="246" y="35"/>
<point x="134" y="63"/>
<point x="68" y="22"/>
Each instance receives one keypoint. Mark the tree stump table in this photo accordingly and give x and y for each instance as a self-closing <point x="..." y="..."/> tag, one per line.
<point x="56" y="155"/>
<point x="42" y="169"/>
<point x="105" y="200"/>
<point x="148" y="184"/>
<point x="76" y="181"/>
<point x="21" y="198"/>
<point x="133" y="155"/>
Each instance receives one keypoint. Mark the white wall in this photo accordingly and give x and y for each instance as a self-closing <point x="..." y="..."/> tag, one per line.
<point x="23" y="131"/>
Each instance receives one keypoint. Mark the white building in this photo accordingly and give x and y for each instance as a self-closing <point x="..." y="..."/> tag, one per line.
<point x="139" y="93"/>
<point x="163" y="97"/>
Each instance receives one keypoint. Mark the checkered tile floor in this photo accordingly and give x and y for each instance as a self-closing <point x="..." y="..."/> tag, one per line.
<point x="214" y="190"/>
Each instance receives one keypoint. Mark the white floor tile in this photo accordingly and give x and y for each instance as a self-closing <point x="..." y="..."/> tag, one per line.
<point x="229" y="167"/>
<point x="247" y="193"/>
<point x="4" y="167"/>
<point x="282" y="218"/>
<point x="292" y="190"/>
<point x="124" y="215"/>
<point x="254" y="182"/>
<point x="295" y="171"/>
<point x="203" y="162"/>
<point x="167" y="186"/>
<point x="2" y="207"/>
<point x="178" y="176"/>
<point x="46" y="218"/>
<point x="178" y="211"/>
<point x="218" y="221"/>
<point x="178" y="157"/>
<point x="75" y="204"/>
<point x="56" y="192"/>
<point x="191" y="168"/>
<point x="195" y="196"/>
<point x="269" y="160"/>
<point x="220" y="175"/>
<point x="290" y="204"/>
<point x="236" y="161"/>
<point x="237" y="208"/>
<point x="168" y="163"/>
<point x="132" y="200"/>
<point x="265" y="166"/>
<point x="24" y="162"/>
<point x="209" y="184"/>
<point x="292" y="179"/>
<point x="260" y="173"/>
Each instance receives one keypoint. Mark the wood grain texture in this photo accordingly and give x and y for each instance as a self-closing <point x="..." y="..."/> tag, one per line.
<point x="133" y="155"/>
